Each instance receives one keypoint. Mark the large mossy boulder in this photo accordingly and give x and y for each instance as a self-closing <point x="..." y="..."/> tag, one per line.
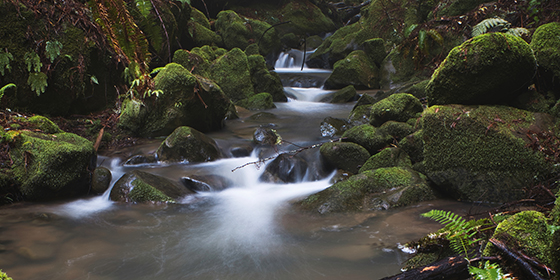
<point x="481" y="153"/>
<point x="264" y="80"/>
<point x="139" y="186"/>
<point x="398" y="107"/>
<point x="378" y="189"/>
<point x="530" y="231"/>
<point x="183" y="100"/>
<point x="260" y="101"/>
<point x="546" y="45"/>
<point x="239" y="32"/>
<point x="492" y="68"/>
<point x="52" y="166"/>
<point x="347" y="156"/>
<point x="189" y="145"/>
<point x="357" y="70"/>
<point x="231" y="72"/>
<point x="388" y="157"/>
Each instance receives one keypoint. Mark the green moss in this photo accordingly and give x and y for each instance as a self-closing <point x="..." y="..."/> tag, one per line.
<point x="4" y="276"/>
<point x="187" y="144"/>
<point x="458" y="7"/>
<point x="398" y="130"/>
<point x="202" y="35"/>
<point x="369" y="137"/>
<point x="500" y="64"/>
<point x="527" y="230"/>
<point x="231" y="72"/>
<point x="388" y="157"/>
<point x="306" y="19"/>
<point x="397" y="107"/>
<point x="413" y="146"/>
<point x="258" y="101"/>
<point x="356" y="69"/>
<point x="44" y="124"/>
<point x="344" y="95"/>
<point x="546" y="45"/>
<point x="143" y="192"/>
<point x="375" y="50"/>
<point x="481" y="141"/>
<point x="344" y="155"/>
<point x="199" y="17"/>
<point x="264" y="80"/>
<point x="52" y="166"/>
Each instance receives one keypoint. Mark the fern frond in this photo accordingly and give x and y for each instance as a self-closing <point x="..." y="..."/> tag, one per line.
<point x="409" y="30"/>
<point x="5" y="59"/>
<point x="488" y="24"/>
<point x="33" y="61"/>
<point x="435" y="36"/>
<point x="4" y="88"/>
<point x="518" y="31"/>
<point x="144" y="6"/>
<point x="38" y="82"/>
<point x="52" y="49"/>
<point x="488" y="272"/>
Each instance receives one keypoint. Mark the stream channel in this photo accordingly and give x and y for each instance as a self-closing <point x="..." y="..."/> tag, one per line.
<point x="247" y="231"/>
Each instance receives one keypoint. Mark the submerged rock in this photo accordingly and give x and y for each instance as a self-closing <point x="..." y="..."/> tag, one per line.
<point x="188" y="145"/>
<point x="101" y="180"/>
<point x="491" y="68"/>
<point x="285" y="168"/>
<point x="139" y="186"/>
<point x="333" y="126"/>
<point x="206" y="183"/>
<point x="378" y="189"/>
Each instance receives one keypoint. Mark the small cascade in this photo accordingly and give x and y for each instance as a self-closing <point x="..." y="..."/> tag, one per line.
<point x="301" y="84"/>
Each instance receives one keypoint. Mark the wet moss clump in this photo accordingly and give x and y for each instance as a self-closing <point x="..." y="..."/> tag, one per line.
<point x="546" y="45"/>
<point x="368" y="137"/>
<point x="388" y="157"/>
<point x="344" y="155"/>
<point x="231" y="72"/>
<point x="357" y="70"/>
<point x="260" y="101"/>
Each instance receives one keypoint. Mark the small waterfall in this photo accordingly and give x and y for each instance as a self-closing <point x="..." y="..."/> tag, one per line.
<point x="292" y="59"/>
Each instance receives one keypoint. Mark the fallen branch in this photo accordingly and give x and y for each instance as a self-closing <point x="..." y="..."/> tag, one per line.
<point x="449" y="268"/>
<point x="292" y="153"/>
<point x="513" y="256"/>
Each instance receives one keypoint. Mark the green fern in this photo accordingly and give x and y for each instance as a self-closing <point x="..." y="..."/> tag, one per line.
<point x="4" y="88"/>
<point x="52" y="49"/>
<point x="518" y="31"/>
<point x="5" y="58"/>
<point x="489" y="24"/>
<point x="38" y="82"/>
<point x="460" y="232"/>
<point x="488" y="272"/>
<point x="409" y="30"/>
<point x="33" y="61"/>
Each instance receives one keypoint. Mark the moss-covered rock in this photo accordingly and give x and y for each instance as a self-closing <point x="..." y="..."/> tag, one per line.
<point x="457" y="7"/>
<point x="413" y="146"/>
<point x="264" y="80"/>
<point x="239" y="32"/>
<point x="344" y="155"/>
<point x="487" y="69"/>
<point x="360" y="115"/>
<point x="397" y="107"/>
<point x="388" y="157"/>
<point x="305" y="19"/>
<point x="356" y="69"/>
<point x="202" y="35"/>
<point x="398" y="130"/>
<point x="377" y="189"/>
<point x="546" y="45"/>
<point x="368" y="137"/>
<point x="56" y="166"/>
<point x="231" y="72"/>
<point x="375" y="50"/>
<point x="184" y="100"/>
<point x="480" y="152"/>
<point x="139" y="186"/>
<point x="528" y="232"/>
<point x="101" y="180"/>
<point x="43" y="124"/>
<point x="187" y="144"/>
<point x="259" y="101"/>
<point x="344" y="95"/>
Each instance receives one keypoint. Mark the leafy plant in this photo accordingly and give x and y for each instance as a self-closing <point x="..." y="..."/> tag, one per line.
<point x="461" y="233"/>
<point x="4" y="88"/>
<point x="38" y="82"/>
<point x="497" y="24"/>
<point x="33" y="61"/>
<point x="5" y="58"/>
<point x="488" y="272"/>
<point x="52" y="50"/>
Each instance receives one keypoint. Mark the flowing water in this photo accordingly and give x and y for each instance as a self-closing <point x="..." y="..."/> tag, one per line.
<point x="248" y="231"/>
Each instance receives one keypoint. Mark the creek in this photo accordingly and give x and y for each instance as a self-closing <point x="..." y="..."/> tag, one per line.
<point x="248" y="231"/>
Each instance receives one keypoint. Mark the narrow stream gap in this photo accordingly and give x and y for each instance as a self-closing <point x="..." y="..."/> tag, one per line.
<point x="247" y="231"/>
